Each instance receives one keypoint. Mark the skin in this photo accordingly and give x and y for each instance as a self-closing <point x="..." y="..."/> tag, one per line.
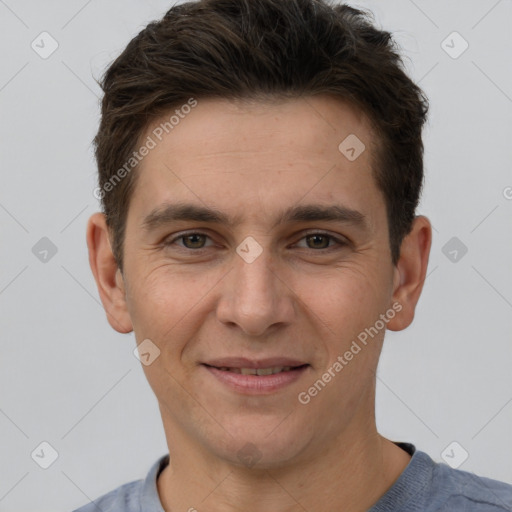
<point x="303" y="297"/>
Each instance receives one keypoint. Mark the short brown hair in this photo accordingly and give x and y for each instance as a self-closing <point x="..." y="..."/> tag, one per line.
<point x="248" y="49"/>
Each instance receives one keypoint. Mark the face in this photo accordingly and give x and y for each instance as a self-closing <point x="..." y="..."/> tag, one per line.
<point x="254" y="243"/>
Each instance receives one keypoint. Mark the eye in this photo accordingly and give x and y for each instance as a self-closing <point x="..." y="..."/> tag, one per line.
<point x="316" y="240"/>
<point x="319" y="240"/>
<point x="191" y="240"/>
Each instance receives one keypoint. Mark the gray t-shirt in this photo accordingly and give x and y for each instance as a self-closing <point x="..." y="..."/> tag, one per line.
<point x="424" y="486"/>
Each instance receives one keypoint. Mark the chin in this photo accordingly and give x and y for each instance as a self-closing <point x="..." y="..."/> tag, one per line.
<point x="266" y="444"/>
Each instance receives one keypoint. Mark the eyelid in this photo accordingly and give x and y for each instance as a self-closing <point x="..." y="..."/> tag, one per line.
<point x="336" y="236"/>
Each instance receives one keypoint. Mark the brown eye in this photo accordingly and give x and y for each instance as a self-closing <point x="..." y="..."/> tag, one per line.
<point x="191" y="240"/>
<point x="196" y="240"/>
<point x="322" y="241"/>
<point x="319" y="241"/>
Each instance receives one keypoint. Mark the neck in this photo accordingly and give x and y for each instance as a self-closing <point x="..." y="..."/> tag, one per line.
<point x="352" y="473"/>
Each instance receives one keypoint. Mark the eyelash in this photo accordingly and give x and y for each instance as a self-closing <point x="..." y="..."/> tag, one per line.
<point x="183" y="235"/>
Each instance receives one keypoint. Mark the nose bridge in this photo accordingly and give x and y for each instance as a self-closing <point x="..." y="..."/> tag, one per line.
<point x="255" y="298"/>
<point x="254" y="275"/>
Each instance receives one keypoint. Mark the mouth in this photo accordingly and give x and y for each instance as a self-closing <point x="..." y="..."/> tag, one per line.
<point x="256" y="377"/>
<point x="258" y="371"/>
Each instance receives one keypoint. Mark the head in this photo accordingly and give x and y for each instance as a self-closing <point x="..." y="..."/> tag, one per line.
<point x="277" y="119"/>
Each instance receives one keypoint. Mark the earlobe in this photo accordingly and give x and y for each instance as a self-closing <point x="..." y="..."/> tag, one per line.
<point x="410" y="272"/>
<point x="109" y="280"/>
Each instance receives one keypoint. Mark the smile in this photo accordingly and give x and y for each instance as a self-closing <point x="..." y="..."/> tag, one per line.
<point x="258" y="371"/>
<point x="263" y="380"/>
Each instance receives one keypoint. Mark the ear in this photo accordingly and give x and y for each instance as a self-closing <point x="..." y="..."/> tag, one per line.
<point x="410" y="272"/>
<point x="109" y="279"/>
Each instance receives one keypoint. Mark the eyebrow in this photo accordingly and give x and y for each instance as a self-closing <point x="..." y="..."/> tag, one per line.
<point x="168" y="213"/>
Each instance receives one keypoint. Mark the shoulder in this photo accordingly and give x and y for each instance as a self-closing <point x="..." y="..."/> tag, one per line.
<point x="462" y="490"/>
<point x="429" y="486"/>
<point x="134" y="496"/>
<point x="126" y="498"/>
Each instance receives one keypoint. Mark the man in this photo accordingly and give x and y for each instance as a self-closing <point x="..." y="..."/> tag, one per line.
<point x="260" y="164"/>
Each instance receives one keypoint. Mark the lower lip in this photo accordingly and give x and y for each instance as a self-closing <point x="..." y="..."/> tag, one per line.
<point x="257" y="384"/>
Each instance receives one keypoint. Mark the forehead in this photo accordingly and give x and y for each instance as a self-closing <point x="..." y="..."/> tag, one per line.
<point x="228" y="154"/>
<point x="308" y="124"/>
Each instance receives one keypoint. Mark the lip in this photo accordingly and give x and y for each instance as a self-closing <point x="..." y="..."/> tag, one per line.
<point x="242" y="362"/>
<point x="256" y="384"/>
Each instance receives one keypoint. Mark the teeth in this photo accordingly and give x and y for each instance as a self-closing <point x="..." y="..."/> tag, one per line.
<point x="258" y="371"/>
<point x="266" y="371"/>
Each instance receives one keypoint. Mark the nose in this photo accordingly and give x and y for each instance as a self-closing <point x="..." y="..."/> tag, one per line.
<point x="255" y="295"/>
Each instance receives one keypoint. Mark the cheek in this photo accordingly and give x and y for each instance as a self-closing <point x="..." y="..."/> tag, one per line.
<point x="346" y="299"/>
<point x="165" y="305"/>
<point x="168" y="304"/>
<point x="152" y="304"/>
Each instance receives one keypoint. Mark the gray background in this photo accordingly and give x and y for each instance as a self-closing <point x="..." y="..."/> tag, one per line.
<point x="68" y="379"/>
